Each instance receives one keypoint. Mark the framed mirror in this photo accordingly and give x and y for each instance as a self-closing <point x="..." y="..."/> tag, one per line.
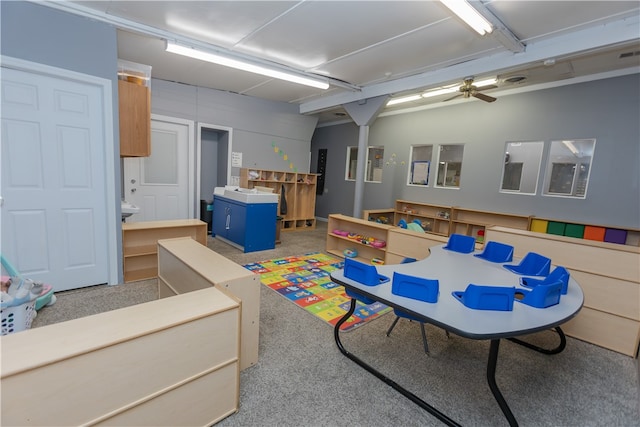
<point x="521" y="169"/>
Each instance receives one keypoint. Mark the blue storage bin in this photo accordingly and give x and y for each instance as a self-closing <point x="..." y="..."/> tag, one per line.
<point x="541" y="296"/>
<point x="363" y="273"/>
<point x="497" y="252"/>
<point x="461" y="243"/>
<point x="558" y="274"/>
<point x="482" y="297"/>
<point x="414" y="287"/>
<point x="532" y="264"/>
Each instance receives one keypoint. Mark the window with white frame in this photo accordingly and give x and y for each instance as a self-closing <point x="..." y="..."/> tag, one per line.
<point x="420" y="164"/>
<point x="569" y="167"/>
<point x="374" y="161"/>
<point x="521" y="168"/>
<point x="449" y="166"/>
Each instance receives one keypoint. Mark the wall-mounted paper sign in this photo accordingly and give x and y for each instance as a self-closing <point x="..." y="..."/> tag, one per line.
<point x="236" y="160"/>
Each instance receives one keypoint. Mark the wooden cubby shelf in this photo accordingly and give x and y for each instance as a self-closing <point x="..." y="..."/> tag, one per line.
<point x="299" y="193"/>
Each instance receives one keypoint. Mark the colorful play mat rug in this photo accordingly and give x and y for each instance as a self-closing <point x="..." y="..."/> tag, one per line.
<point x="305" y="281"/>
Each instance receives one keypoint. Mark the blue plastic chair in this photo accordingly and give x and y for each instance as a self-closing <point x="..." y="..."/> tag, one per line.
<point x="461" y="243"/>
<point x="418" y="288"/>
<point x="497" y="252"/>
<point x="532" y="264"/>
<point x="363" y="273"/>
<point x="482" y="297"/>
<point x="558" y="274"/>
<point x="414" y="287"/>
<point x="358" y="296"/>
<point x="541" y="296"/>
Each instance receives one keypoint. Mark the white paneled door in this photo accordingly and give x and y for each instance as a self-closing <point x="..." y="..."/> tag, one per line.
<point x="54" y="213"/>
<point x="159" y="184"/>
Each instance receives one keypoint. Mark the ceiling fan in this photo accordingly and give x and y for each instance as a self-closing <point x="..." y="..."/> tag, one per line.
<point x="468" y="90"/>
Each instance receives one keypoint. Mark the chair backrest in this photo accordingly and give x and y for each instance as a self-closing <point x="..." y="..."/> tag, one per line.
<point x="541" y="296"/>
<point x="559" y="274"/>
<point x="497" y="252"/>
<point x="414" y="287"/>
<point x="461" y="243"/>
<point x="532" y="264"/>
<point x="363" y="273"/>
<point x="482" y="297"/>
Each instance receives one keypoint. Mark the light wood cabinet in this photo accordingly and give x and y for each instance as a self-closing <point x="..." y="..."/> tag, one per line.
<point x="134" y="103"/>
<point x="608" y="275"/>
<point x="297" y="190"/>
<point x="186" y="266"/>
<point x="168" y="362"/>
<point x="140" y="244"/>
<point x="336" y="243"/>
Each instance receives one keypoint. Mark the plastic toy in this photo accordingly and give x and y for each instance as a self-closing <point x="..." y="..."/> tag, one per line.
<point x="377" y="261"/>
<point x="350" y="253"/>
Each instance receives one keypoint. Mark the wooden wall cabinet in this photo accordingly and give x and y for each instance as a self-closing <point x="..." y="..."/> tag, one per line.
<point x="134" y="103"/>
<point x="299" y="194"/>
<point x="140" y="244"/>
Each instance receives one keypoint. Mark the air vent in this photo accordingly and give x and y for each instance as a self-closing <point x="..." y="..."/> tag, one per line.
<point x="515" y="79"/>
<point x="629" y="54"/>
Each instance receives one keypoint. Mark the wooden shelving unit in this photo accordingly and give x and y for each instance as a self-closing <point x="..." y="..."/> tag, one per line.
<point x="299" y="194"/>
<point x="471" y="221"/>
<point x="582" y="230"/>
<point x="140" y="244"/>
<point x="336" y="244"/>
<point x="435" y="219"/>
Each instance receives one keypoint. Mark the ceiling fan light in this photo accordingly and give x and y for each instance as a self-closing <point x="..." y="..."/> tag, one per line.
<point x="226" y="61"/>
<point x="470" y="15"/>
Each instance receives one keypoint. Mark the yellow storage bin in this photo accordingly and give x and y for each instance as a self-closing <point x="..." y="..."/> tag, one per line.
<point x="539" y="225"/>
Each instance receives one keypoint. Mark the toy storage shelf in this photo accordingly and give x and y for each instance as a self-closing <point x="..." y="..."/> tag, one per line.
<point x="594" y="232"/>
<point x="299" y="194"/>
<point x="471" y="221"/>
<point x="140" y="244"/>
<point x="435" y="219"/>
<point x="380" y="215"/>
<point x="337" y="244"/>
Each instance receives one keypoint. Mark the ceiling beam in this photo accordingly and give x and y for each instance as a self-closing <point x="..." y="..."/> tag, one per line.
<point x="623" y="31"/>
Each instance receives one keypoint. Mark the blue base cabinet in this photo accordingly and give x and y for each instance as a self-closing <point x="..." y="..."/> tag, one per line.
<point x="248" y="226"/>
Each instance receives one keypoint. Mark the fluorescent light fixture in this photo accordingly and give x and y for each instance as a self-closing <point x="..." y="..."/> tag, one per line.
<point x="244" y="66"/>
<point x="442" y="91"/>
<point x="403" y="99"/>
<point x="571" y="147"/>
<point x="470" y="15"/>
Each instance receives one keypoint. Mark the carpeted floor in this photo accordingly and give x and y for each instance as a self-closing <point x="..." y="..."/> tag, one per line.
<point x="301" y="379"/>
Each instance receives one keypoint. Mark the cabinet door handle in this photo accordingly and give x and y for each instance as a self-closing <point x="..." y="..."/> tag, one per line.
<point x="228" y="223"/>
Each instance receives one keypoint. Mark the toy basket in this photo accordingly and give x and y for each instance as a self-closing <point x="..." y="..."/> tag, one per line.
<point x="18" y="318"/>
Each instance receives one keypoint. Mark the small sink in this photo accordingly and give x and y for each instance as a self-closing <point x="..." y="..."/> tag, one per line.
<point x="128" y="209"/>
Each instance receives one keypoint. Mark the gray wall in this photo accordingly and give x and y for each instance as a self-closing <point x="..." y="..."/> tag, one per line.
<point x="606" y="110"/>
<point x="259" y="126"/>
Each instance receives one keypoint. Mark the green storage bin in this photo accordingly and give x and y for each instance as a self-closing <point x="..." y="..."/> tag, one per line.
<point x="556" y="228"/>
<point x="574" y="230"/>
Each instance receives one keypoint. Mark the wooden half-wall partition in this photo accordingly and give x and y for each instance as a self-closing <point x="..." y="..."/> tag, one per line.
<point x="168" y="362"/>
<point x="609" y="275"/>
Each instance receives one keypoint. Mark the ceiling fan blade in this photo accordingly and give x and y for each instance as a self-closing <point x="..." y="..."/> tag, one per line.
<point x="483" y="97"/>
<point x="453" y="97"/>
